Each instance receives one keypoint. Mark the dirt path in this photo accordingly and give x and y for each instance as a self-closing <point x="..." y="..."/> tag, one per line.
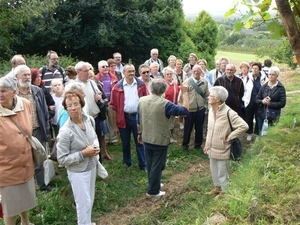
<point x="144" y="205"/>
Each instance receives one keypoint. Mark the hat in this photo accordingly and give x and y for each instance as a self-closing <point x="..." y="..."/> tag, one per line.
<point x="194" y="55"/>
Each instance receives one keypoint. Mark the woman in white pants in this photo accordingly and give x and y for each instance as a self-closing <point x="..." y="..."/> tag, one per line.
<point x="77" y="150"/>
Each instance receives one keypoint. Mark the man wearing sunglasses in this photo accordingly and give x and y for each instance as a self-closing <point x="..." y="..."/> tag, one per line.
<point x="154" y="58"/>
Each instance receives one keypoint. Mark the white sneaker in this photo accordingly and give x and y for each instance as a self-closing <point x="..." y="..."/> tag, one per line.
<point x="173" y="140"/>
<point x="249" y="137"/>
<point x="161" y="193"/>
<point x="181" y="126"/>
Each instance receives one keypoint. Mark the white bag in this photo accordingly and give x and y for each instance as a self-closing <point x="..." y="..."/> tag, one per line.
<point x="101" y="171"/>
<point x="49" y="171"/>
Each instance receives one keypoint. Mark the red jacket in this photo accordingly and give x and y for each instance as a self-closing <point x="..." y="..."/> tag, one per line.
<point x="117" y="100"/>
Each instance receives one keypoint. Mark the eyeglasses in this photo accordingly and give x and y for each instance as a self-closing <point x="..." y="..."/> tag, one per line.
<point x="272" y="74"/>
<point x="76" y="104"/>
<point x="145" y="72"/>
<point x="104" y="66"/>
<point x="169" y="74"/>
<point x="211" y="96"/>
<point x="54" y="59"/>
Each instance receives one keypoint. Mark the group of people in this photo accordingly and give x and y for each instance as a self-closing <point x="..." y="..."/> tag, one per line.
<point x="87" y="111"/>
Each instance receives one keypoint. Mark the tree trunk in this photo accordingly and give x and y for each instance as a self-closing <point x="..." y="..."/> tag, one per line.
<point x="290" y="25"/>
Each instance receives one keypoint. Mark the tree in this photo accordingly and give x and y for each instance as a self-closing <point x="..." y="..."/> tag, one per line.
<point x="94" y="30"/>
<point x="286" y="23"/>
<point x="205" y="36"/>
<point x="13" y="14"/>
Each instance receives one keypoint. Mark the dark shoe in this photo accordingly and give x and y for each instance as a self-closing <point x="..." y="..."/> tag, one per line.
<point x="185" y="149"/>
<point x="198" y="148"/>
<point x="47" y="188"/>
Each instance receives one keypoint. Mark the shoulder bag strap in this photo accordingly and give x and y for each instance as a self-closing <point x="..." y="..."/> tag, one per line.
<point x="195" y="86"/>
<point x="229" y="120"/>
<point x="22" y="131"/>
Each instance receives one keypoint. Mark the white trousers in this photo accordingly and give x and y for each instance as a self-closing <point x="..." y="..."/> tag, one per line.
<point x="83" y="187"/>
<point x="219" y="172"/>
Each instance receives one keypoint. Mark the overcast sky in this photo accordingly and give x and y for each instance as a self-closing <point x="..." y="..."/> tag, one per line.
<point x="214" y="7"/>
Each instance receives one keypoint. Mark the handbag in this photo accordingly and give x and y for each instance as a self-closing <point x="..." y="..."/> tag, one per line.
<point x="1" y="210"/>
<point x="236" y="145"/>
<point x="39" y="153"/>
<point x="101" y="171"/>
<point x="102" y="104"/>
<point x="49" y="171"/>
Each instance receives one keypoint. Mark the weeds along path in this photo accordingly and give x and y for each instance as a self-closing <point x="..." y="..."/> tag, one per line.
<point x="148" y="206"/>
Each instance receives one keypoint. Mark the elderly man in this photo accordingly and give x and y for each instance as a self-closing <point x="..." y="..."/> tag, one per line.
<point x="40" y="116"/>
<point x="154" y="115"/>
<point x="154" y="58"/>
<point x="198" y="93"/>
<point x="235" y="88"/>
<point x="118" y="60"/>
<point x="144" y="72"/>
<point x="52" y="70"/>
<point x="108" y="81"/>
<point x="92" y="95"/>
<point x="223" y="61"/>
<point x="16" y="60"/>
<point x="124" y="102"/>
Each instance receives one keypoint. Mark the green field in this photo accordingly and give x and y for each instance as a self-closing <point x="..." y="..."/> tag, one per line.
<point x="237" y="57"/>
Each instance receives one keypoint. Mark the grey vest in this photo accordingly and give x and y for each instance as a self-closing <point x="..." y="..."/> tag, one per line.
<point x="155" y="126"/>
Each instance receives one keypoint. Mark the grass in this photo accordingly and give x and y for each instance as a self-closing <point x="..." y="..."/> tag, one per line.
<point x="238" y="57"/>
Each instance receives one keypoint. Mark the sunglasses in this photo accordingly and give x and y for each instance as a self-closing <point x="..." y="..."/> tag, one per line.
<point x="145" y="72"/>
<point x="104" y="66"/>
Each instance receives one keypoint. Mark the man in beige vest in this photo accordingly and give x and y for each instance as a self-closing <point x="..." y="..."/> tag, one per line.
<point x="154" y="117"/>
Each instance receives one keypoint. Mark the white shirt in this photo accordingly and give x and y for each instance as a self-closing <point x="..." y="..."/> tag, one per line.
<point x="131" y="97"/>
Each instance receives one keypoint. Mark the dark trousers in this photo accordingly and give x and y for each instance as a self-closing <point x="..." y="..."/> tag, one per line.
<point x="193" y="119"/>
<point x="99" y="133"/>
<point x="251" y="112"/>
<point x="39" y="168"/>
<point x="156" y="163"/>
<point x="125" y="133"/>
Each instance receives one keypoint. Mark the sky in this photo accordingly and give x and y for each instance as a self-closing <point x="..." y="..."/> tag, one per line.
<point x="213" y="7"/>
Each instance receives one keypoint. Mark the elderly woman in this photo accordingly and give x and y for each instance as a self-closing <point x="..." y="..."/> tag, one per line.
<point x="208" y="76"/>
<point x="77" y="150"/>
<point x="154" y="70"/>
<point x="17" y="186"/>
<point x="171" y="94"/>
<point x="71" y="73"/>
<point x="112" y="69"/>
<point x="188" y="68"/>
<point x="219" y="136"/>
<point x="36" y="79"/>
<point x="271" y="98"/>
<point x="171" y="63"/>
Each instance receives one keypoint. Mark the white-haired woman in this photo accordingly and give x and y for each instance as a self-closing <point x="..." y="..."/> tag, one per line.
<point x="219" y="136"/>
<point x="17" y="186"/>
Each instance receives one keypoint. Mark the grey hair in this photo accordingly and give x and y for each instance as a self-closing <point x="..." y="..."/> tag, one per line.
<point x="154" y="50"/>
<point x="18" y="69"/>
<point x="158" y="86"/>
<point x="275" y="69"/>
<point x="14" y="60"/>
<point x="127" y="65"/>
<point x="79" y="65"/>
<point x="73" y="85"/>
<point x="224" y="58"/>
<point x="220" y="92"/>
<point x="8" y="82"/>
<point x="143" y="66"/>
<point x="168" y="69"/>
<point x="49" y="53"/>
